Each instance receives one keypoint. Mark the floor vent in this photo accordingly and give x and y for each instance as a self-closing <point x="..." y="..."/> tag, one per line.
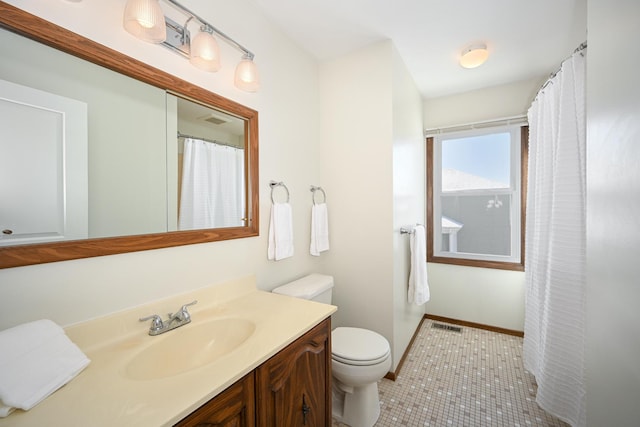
<point x="446" y="327"/>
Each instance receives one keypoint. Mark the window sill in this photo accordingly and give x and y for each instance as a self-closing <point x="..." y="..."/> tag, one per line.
<point x="513" y="266"/>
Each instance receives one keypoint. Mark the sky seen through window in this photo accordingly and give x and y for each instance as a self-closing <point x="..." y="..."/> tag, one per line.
<point x="485" y="156"/>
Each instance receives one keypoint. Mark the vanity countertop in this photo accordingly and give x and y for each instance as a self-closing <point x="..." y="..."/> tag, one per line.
<point x="104" y="394"/>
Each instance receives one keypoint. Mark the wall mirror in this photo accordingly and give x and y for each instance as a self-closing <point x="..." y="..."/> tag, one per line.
<point x="147" y="133"/>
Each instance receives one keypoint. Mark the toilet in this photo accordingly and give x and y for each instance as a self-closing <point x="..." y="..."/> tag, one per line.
<point x="359" y="359"/>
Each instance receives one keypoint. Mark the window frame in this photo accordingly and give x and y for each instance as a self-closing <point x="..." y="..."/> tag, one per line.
<point x="466" y="261"/>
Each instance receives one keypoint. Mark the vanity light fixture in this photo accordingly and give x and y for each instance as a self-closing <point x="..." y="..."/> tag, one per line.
<point x="145" y="20"/>
<point x="205" y="53"/>
<point x="246" y="77"/>
<point x="474" y="56"/>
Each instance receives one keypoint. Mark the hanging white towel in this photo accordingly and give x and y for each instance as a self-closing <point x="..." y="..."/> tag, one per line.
<point x="418" y="282"/>
<point x="37" y="358"/>
<point x="280" y="244"/>
<point x="319" y="229"/>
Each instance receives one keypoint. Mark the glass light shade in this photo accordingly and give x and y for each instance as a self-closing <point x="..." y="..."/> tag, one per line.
<point x="246" y="77"/>
<point x="145" y="20"/>
<point x="474" y="56"/>
<point x="205" y="53"/>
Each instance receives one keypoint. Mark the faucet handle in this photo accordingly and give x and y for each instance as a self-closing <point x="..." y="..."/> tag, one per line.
<point x="184" y="307"/>
<point x="156" y="322"/>
<point x="183" y="314"/>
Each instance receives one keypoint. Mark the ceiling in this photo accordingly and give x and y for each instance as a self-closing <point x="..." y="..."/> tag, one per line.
<point x="526" y="39"/>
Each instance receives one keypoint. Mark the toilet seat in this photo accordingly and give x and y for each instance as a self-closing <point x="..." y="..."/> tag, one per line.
<point x="358" y="347"/>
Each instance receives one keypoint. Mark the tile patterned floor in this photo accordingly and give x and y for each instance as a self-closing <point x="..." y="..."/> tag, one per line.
<point x="468" y="378"/>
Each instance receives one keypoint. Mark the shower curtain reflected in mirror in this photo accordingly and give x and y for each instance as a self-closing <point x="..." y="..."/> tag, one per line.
<point x="212" y="191"/>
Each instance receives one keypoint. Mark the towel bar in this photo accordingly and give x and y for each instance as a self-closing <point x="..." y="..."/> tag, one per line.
<point x="404" y="230"/>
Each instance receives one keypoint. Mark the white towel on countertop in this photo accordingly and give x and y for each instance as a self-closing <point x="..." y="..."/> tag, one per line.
<point x="37" y="358"/>
<point x="319" y="229"/>
<point x="280" y="243"/>
<point x="418" y="282"/>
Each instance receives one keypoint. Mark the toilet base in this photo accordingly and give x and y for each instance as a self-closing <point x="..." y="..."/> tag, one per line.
<point x="359" y="408"/>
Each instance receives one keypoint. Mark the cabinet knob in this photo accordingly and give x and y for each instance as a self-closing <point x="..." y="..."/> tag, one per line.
<point x="7" y="231"/>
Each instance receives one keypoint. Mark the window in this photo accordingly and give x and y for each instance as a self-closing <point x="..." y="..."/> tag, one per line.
<point x="476" y="197"/>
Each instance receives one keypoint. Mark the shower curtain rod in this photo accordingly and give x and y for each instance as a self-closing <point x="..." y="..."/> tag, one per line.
<point x="504" y="121"/>
<point x="580" y="48"/>
<point x="212" y="141"/>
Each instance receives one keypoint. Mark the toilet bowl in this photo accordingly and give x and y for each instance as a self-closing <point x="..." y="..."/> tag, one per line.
<point x="360" y="358"/>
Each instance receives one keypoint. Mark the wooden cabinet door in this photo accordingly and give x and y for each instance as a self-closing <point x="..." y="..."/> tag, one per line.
<point x="234" y="407"/>
<point x="293" y="388"/>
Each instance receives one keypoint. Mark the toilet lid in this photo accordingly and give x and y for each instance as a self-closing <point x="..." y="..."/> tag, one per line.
<point x="356" y="346"/>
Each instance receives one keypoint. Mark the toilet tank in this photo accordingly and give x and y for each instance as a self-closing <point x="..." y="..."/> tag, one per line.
<point x="314" y="287"/>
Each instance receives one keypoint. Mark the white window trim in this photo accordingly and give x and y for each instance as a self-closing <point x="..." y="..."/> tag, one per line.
<point x="515" y="191"/>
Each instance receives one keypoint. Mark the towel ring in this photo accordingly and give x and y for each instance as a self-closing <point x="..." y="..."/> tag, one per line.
<point x="273" y="185"/>
<point x="313" y="196"/>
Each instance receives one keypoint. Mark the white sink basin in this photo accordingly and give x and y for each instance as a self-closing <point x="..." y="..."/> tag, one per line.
<point x="189" y="347"/>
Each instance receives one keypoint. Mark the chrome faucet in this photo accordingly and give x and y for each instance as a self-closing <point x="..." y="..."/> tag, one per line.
<point x="158" y="326"/>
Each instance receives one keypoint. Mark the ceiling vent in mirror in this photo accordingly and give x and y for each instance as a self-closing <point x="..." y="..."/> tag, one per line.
<point x="215" y="119"/>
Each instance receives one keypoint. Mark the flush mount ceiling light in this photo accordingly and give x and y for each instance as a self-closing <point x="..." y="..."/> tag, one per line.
<point x="145" y="20"/>
<point x="474" y="56"/>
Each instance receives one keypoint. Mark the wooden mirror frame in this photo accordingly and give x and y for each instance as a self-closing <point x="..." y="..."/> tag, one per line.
<point x="45" y="32"/>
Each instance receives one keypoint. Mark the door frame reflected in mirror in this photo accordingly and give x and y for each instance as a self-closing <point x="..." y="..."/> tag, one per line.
<point x="40" y="30"/>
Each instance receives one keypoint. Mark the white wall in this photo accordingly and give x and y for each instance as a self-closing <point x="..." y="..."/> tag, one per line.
<point x="409" y="198"/>
<point x="73" y="291"/>
<point x="356" y="158"/>
<point x="480" y="295"/>
<point x="613" y="214"/>
<point x="486" y="296"/>
<point x="497" y="102"/>
<point x="372" y="167"/>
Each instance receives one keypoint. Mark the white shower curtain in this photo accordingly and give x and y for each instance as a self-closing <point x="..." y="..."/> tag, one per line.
<point x="212" y="192"/>
<point x="554" y="330"/>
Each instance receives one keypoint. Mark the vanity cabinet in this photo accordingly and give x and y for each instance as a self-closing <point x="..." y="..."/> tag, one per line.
<point x="234" y="407"/>
<point x="291" y="389"/>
